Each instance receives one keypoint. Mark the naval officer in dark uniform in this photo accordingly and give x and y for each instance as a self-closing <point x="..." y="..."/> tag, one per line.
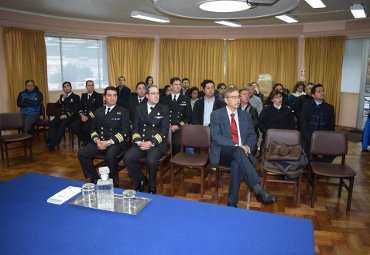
<point x="69" y="104"/>
<point x="180" y="111"/>
<point x="150" y="130"/>
<point x="109" y="130"/>
<point x="136" y="99"/>
<point x="90" y="101"/>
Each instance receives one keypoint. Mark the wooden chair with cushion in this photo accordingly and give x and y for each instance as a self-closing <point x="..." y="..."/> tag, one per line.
<point x="194" y="136"/>
<point x="14" y="121"/>
<point x="286" y="136"/>
<point x="331" y="143"/>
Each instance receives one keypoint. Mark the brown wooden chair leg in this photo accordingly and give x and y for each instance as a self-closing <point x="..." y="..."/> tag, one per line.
<point x="298" y="196"/>
<point x="313" y="190"/>
<point x="6" y="155"/>
<point x="340" y="187"/>
<point x="172" y="179"/>
<point x="202" y="181"/>
<point x="350" y="189"/>
<point x="217" y="181"/>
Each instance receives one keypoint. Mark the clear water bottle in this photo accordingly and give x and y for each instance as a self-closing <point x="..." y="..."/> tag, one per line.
<point x="104" y="190"/>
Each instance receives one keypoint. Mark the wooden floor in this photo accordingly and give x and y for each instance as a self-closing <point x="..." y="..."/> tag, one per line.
<point x="336" y="232"/>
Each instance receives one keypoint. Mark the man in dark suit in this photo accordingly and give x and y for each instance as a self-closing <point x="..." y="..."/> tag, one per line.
<point x="69" y="104"/>
<point x="180" y="111"/>
<point x="135" y="100"/>
<point x="185" y="87"/>
<point x="316" y="115"/>
<point x="110" y="128"/>
<point x="233" y="139"/>
<point x="204" y="106"/>
<point x="90" y="101"/>
<point x="123" y="92"/>
<point x="150" y="130"/>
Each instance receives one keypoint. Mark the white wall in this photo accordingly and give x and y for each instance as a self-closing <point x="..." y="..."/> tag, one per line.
<point x="353" y="65"/>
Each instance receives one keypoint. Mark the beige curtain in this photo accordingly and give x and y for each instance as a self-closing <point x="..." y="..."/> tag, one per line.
<point x="247" y="58"/>
<point x="192" y="58"/>
<point x="129" y="57"/>
<point x="323" y="64"/>
<point x="25" y="58"/>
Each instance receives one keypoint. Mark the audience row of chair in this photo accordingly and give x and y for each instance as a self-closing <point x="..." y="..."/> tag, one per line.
<point x="196" y="136"/>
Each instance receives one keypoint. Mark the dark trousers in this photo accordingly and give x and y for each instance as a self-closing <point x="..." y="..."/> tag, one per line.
<point x="241" y="169"/>
<point x="152" y="160"/>
<point x="29" y="121"/>
<point x="87" y="153"/>
<point x="176" y="148"/>
<point x="56" y="130"/>
<point x="81" y="129"/>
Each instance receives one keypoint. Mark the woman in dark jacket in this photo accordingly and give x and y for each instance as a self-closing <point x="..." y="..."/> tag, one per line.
<point x="280" y="87"/>
<point x="276" y="115"/>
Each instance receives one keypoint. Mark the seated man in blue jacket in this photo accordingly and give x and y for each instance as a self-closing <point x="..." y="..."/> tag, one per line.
<point x="30" y="102"/>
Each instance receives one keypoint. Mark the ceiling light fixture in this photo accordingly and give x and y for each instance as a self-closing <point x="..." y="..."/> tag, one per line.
<point x="228" y="23"/>
<point x="149" y="16"/>
<point x="287" y="18"/>
<point x="316" y="3"/>
<point x="358" y="11"/>
<point x="224" y="6"/>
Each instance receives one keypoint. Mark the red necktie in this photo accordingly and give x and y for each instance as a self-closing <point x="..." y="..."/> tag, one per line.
<point x="234" y="129"/>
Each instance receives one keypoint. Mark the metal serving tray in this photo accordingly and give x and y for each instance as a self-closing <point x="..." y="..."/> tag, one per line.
<point x="121" y="204"/>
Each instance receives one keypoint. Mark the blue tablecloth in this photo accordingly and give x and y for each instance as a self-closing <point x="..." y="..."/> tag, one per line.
<point x="30" y="225"/>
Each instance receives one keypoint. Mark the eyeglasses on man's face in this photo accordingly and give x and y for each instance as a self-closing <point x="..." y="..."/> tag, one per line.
<point x="154" y="93"/>
<point x="233" y="97"/>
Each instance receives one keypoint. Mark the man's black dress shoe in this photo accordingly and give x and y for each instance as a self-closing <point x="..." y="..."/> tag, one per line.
<point x="140" y="186"/>
<point x="265" y="198"/>
<point x="232" y="205"/>
<point x="152" y="190"/>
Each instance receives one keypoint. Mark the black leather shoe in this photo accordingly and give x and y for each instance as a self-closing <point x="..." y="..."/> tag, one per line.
<point x="152" y="190"/>
<point x="232" y="205"/>
<point x="265" y="198"/>
<point x="141" y="185"/>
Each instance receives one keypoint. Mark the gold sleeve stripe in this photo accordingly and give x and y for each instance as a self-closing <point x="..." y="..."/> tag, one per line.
<point x="94" y="134"/>
<point x="158" y="137"/>
<point x="119" y="137"/>
<point x="136" y="135"/>
<point x="182" y="123"/>
<point x="91" y="115"/>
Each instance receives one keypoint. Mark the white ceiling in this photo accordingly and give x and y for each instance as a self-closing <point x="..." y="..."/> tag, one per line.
<point x="118" y="11"/>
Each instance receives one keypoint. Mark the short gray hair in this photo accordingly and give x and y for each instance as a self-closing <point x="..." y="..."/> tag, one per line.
<point x="229" y="91"/>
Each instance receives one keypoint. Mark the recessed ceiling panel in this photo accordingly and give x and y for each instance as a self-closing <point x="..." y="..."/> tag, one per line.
<point x="190" y="9"/>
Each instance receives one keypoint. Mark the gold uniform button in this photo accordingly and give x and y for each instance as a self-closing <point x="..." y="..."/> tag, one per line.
<point x="143" y="130"/>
